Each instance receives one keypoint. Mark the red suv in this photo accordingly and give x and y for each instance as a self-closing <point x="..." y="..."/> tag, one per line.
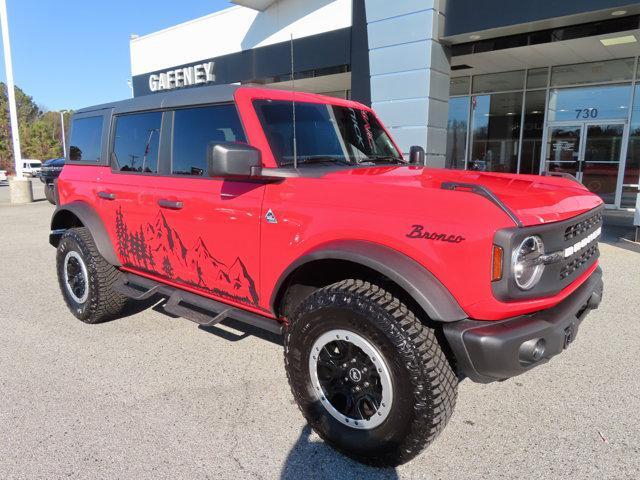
<point x="297" y="213"/>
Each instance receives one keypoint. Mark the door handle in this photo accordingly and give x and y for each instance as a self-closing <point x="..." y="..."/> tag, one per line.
<point x="107" y="195"/>
<point x="170" y="204"/>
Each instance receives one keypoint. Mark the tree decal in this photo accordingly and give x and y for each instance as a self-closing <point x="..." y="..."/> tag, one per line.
<point x="122" y="237"/>
<point x="157" y="247"/>
<point x="167" y="269"/>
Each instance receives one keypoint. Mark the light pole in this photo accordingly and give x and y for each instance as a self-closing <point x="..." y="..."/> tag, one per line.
<point x="20" y="188"/>
<point x="64" y="142"/>
<point x="11" y="94"/>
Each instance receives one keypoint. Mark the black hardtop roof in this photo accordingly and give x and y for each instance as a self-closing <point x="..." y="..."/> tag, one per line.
<point x="177" y="98"/>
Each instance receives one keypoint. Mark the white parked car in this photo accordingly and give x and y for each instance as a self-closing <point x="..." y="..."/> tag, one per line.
<point x="3" y="175"/>
<point x="31" y="167"/>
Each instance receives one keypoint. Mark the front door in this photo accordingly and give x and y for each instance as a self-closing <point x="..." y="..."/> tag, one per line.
<point x="590" y="151"/>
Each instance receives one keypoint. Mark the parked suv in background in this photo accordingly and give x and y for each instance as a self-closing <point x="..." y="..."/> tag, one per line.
<point x="48" y="175"/>
<point x="30" y="167"/>
<point x="390" y="281"/>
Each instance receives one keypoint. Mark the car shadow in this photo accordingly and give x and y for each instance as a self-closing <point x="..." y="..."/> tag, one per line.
<point x="311" y="459"/>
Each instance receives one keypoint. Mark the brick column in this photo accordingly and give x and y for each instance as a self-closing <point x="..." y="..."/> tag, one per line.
<point x="410" y="72"/>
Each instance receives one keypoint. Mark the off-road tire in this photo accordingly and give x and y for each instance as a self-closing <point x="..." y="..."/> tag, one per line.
<point x="424" y="383"/>
<point x="103" y="302"/>
<point x="49" y="194"/>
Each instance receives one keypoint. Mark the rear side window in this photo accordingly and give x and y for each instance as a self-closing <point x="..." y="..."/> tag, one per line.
<point x="86" y="135"/>
<point x="135" y="143"/>
<point x="195" y="128"/>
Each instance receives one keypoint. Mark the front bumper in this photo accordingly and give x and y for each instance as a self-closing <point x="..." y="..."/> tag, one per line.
<point x="490" y="351"/>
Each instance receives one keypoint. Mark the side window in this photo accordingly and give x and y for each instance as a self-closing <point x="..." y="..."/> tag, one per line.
<point x="135" y="143"/>
<point x="194" y="129"/>
<point x="85" y="144"/>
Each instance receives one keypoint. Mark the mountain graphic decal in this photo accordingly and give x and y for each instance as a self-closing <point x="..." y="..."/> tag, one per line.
<point x="158" y="248"/>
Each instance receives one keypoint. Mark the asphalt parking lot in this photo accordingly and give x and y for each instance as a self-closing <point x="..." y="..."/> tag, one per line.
<point x="150" y="396"/>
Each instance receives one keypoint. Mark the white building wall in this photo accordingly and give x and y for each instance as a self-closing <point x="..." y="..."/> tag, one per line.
<point x="410" y="73"/>
<point x="236" y="29"/>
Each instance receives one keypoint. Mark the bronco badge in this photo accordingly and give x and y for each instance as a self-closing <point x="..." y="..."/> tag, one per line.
<point x="418" y="231"/>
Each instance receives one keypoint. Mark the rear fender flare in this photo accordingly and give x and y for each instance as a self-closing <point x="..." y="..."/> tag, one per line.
<point x="432" y="296"/>
<point x="91" y="220"/>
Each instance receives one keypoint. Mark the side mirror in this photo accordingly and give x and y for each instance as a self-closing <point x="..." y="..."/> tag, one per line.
<point x="231" y="159"/>
<point x="416" y="155"/>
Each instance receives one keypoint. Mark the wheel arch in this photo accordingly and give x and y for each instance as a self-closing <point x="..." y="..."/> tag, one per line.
<point x="418" y="283"/>
<point x="81" y="214"/>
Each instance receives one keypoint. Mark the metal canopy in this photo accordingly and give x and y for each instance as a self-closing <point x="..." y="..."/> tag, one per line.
<point x="260" y="5"/>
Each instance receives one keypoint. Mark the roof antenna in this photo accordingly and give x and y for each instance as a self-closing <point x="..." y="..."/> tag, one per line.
<point x="293" y="103"/>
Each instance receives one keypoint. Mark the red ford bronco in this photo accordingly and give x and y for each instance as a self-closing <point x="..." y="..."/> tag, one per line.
<point x="296" y="213"/>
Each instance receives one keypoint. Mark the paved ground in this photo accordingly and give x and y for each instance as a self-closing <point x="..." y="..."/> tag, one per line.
<point x="149" y="396"/>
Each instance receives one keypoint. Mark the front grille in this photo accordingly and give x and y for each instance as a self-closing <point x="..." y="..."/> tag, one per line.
<point x="576" y="263"/>
<point x="572" y="248"/>
<point x="583" y="226"/>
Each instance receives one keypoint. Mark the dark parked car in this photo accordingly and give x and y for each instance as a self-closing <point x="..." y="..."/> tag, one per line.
<point x="48" y="174"/>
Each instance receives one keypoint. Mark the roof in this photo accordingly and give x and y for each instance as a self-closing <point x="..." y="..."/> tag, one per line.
<point x="176" y="98"/>
<point x="207" y="95"/>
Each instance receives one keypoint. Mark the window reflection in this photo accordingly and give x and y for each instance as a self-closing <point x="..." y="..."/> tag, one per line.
<point x="632" y="167"/>
<point x="457" y="132"/>
<point x="533" y="128"/>
<point x="589" y="103"/>
<point x="135" y="147"/>
<point x="594" y="72"/>
<point x="498" y="82"/>
<point x="496" y="132"/>
<point x="459" y="86"/>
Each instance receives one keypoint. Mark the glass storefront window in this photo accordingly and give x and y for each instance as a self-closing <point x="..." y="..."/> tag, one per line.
<point x="496" y="132"/>
<point x="589" y="103"/>
<point x="595" y="72"/>
<point x="632" y="167"/>
<point x="457" y="126"/>
<point x="459" y="86"/>
<point x="533" y="128"/>
<point x="537" y="78"/>
<point x="498" y="82"/>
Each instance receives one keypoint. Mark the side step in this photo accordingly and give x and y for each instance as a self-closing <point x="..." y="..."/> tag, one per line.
<point x="201" y="310"/>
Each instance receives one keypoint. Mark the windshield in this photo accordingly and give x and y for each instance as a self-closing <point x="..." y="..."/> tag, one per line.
<point x="35" y="164"/>
<point x="324" y="133"/>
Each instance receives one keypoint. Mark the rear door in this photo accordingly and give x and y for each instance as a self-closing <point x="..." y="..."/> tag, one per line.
<point x="126" y="189"/>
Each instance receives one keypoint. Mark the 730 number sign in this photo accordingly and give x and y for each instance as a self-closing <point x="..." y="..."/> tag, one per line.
<point x="586" y="113"/>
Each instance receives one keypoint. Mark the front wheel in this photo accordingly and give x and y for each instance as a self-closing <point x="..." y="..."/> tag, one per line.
<point x="369" y="377"/>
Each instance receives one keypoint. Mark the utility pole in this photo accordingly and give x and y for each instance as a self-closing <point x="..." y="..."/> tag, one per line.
<point x="20" y="188"/>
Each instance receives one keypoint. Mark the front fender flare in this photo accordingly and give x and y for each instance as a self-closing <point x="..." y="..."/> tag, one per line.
<point x="432" y="296"/>
<point x="91" y="220"/>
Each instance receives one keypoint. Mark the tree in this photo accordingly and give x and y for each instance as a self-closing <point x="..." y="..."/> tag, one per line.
<point x="40" y="132"/>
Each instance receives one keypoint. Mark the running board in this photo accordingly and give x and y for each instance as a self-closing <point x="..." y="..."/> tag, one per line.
<point x="201" y="310"/>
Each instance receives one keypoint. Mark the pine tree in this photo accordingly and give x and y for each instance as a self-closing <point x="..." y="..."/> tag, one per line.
<point x="122" y="236"/>
<point x="166" y="267"/>
<point x="143" y="249"/>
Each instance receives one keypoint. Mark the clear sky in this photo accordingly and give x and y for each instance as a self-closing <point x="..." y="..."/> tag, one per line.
<point x="75" y="53"/>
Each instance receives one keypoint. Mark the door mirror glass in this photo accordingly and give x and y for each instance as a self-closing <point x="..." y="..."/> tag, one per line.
<point x="231" y="159"/>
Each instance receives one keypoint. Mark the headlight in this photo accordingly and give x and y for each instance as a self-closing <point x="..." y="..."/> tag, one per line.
<point x="527" y="265"/>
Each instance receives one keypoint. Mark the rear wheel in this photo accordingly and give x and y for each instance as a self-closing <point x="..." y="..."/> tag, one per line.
<point x="86" y="279"/>
<point x="369" y="377"/>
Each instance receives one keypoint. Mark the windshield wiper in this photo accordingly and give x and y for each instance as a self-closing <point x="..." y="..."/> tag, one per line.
<point x="386" y="158"/>
<point x="319" y="159"/>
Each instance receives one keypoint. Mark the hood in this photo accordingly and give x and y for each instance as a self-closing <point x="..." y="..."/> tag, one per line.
<point x="534" y="199"/>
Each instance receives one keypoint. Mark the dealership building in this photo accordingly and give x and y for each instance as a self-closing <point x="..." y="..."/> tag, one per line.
<point x="491" y="85"/>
